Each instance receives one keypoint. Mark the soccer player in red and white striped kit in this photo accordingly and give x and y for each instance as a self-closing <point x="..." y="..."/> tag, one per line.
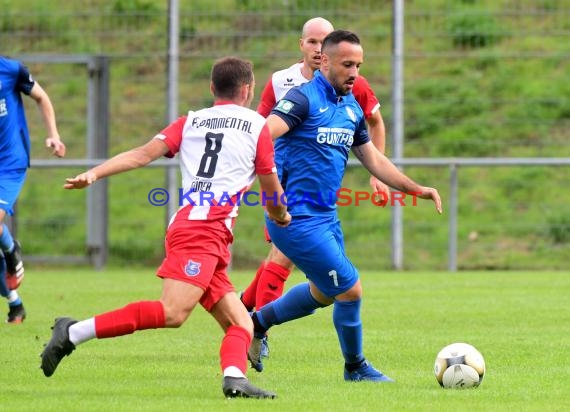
<point x="221" y="148"/>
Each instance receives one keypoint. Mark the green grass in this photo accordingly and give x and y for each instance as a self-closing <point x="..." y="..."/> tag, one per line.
<point x="518" y="320"/>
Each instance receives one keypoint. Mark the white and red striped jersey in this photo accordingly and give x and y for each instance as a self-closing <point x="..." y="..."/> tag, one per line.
<point x="283" y="80"/>
<point x="221" y="150"/>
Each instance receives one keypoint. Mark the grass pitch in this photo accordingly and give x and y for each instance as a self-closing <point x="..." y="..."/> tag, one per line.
<point x="520" y="321"/>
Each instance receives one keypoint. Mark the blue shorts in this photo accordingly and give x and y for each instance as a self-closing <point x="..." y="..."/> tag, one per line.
<point x="315" y="245"/>
<point x="11" y="183"/>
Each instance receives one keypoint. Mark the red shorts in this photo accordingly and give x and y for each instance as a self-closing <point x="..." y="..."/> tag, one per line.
<point x="197" y="252"/>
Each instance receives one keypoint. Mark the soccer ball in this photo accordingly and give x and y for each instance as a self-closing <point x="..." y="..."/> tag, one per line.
<point x="459" y="366"/>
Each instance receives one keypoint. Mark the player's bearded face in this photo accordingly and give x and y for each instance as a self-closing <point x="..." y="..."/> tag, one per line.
<point x="341" y="66"/>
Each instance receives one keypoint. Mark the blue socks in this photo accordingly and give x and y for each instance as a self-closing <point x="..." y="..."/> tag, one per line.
<point x="6" y="239"/>
<point x="346" y="319"/>
<point x="296" y="303"/>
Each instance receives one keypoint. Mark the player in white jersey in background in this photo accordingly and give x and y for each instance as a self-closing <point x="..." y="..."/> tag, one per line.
<point x="221" y="148"/>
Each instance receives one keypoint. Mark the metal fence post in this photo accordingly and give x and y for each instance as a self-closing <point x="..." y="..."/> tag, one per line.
<point x="453" y="211"/>
<point x="398" y="125"/>
<point x="98" y="148"/>
<point x="172" y="98"/>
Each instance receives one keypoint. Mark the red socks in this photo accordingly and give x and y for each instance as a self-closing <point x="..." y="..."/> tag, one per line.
<point x="150" y="315"/>
<point x="233" y="351"/>
<point x="267" y="285"/>
<point x="135" y="316"/>
<point x="248" y="296"/>
<point x="270" y="284"/>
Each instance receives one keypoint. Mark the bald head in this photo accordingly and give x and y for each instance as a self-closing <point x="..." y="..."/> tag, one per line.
<point x="316" y="25"/>
<point x="314" y="31"/>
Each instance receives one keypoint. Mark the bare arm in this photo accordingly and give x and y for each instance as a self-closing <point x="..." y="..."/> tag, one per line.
<point x="123" y="162"/>
<point x="382" y="168"/>
<point x="274" y="205"/>
<point x="48" y="117"/>
<point x="277" y="126"/>
<point x="377" y="133"/>
<point x="377" y="130"/>
<point x="270" y="185"/>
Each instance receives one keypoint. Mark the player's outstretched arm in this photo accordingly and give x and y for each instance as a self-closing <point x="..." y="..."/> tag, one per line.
<point x="381" y="167"/>
<point x="274" y="199"/>
<point x="47" y="112"/>
<point x="123" y="162"/>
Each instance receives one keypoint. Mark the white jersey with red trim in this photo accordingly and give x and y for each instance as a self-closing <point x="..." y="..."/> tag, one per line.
<point x="280" y="83"/>
<point x="222" y="148"/>
<point x="283" y="80"/>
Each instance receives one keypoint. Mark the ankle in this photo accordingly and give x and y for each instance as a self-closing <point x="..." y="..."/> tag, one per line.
<point x="352" y="366"/>
<point x="258" y="329"/>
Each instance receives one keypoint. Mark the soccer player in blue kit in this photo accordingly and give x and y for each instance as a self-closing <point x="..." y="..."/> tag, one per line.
<point x="316" y="125"/>
<point x="15" y="80"/>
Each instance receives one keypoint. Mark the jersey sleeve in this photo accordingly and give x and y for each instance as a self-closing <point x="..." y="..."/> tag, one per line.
<point x="25" y="81"/>
<point x="293" y="108"/>
<point x="365" y="97"/>
<point x="172" y="135"/>
<point x="361" y="134"/>
<point x="267" y="101"/>
<point x="264" y="156"/>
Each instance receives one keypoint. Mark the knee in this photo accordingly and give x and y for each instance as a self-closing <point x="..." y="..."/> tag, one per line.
<point x="175" y="322"/>
<point x="354" y="293"/>
<point x="175" y="316"/>
<point x="279" y="258"/>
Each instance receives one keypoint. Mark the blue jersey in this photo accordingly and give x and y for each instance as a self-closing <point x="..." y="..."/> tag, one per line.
<point x="311" y="157"/>
<point x="14" y="136"/>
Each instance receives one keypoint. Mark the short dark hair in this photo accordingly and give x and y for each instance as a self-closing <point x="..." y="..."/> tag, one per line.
<point x="337" y="36"/>
<point x="229" y="74"/>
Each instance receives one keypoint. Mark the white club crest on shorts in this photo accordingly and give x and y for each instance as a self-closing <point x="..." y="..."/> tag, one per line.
<point x="192" y="268"/>
<point x="351" y="114"/>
